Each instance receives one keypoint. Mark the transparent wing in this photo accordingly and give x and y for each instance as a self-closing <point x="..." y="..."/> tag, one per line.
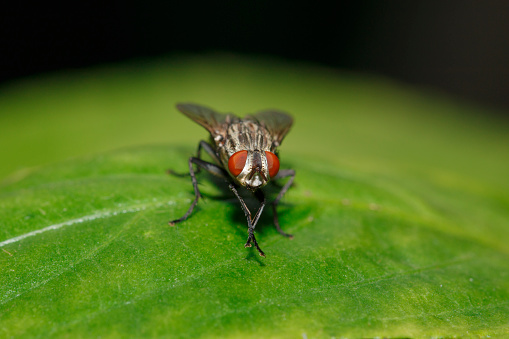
<point x="276" y="122"/>
<point x="215" y="123"/>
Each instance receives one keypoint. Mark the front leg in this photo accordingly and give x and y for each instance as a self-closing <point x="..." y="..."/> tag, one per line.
<point x="211" y="168"/>
<point x="261" y="198"/>
<point x="250" y="224"/>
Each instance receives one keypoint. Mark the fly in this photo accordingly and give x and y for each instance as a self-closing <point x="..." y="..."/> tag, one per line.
<point x="244" y="153"/>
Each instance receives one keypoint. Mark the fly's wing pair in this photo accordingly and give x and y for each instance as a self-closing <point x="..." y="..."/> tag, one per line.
<point x="277" y="123"/>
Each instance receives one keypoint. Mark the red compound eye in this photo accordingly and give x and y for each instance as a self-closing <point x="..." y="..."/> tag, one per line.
<point x="237" y="162"/>
<point x="273" y="163"/>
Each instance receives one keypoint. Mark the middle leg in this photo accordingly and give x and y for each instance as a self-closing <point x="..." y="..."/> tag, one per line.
<point x="211" y="168"/>
<point x="282" y="174"/>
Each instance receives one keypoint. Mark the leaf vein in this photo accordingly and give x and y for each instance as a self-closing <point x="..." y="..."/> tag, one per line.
<point x="100" y="215"/>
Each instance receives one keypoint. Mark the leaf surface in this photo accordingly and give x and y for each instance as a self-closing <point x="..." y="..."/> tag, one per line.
<point x="86" y="251"/>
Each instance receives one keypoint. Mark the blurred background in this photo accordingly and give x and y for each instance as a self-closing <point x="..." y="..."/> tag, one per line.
<point x="460" y="47"/>
<point x="421" y="83"/>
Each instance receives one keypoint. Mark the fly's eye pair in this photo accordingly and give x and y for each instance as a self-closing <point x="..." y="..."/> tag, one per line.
<point x="237" y="162"/>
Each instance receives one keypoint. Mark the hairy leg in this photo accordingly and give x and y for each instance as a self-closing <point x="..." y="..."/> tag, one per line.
<point x="250" y="224"/>
<point x="261" y="198"/>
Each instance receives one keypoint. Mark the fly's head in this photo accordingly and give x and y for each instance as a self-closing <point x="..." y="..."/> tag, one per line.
<point x="253" y="169"/>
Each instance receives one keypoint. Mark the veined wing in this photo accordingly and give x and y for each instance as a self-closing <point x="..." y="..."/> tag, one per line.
<point x="215" y="123"/>
<point x="276" y="122"/>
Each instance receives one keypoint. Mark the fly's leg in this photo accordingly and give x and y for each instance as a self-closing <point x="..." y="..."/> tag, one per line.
<point x="282" y="174"/>
<point x="201" y="145"/>
<point x="261" y="198"/>
<point x="250" y="224"/>
<point x="211" y="168"/>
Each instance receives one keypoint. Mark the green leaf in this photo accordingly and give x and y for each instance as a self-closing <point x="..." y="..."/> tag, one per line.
<point x="400" y="209"/>
<point x="87" y="252"/>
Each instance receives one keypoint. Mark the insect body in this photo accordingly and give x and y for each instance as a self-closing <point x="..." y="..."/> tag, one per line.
<point x="244" y="152"/>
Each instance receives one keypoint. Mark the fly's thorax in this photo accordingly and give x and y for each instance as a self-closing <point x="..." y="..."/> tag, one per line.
<point x="247" y="135"/>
